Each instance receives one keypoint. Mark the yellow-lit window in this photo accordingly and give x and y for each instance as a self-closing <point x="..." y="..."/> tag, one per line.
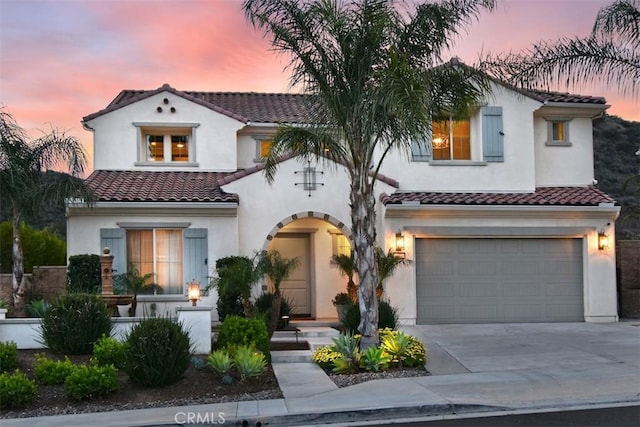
<point x="558" y="131"/>
<point x="179" y="148"/>
<point x="451" y="139"/>
<point x="155" y="148"/>
<point x="265" y="148"/>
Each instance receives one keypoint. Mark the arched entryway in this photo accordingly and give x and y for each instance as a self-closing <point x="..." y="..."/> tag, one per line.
<point x="313" y="237"/>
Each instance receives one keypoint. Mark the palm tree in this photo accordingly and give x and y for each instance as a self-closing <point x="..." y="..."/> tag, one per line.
<point x="609" y="54"/>
<point x="347" y="266"/>
<point x="277" y="269"/>
<point x="376" y="77"/>
<point x="387" y="264"/>
<point x="22" y="163"/>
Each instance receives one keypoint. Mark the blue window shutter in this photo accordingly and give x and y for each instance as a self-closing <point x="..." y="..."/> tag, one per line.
<point x="492" y="134"/>
<point x="421" y="150"/>
<point x="115" y="239"/>
<point x="194" y="260"/>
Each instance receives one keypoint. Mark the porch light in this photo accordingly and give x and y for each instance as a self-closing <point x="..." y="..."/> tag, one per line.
<point x="193" y="290"/>
<point x="399" y="250"/>
<point x="603" y="241"/>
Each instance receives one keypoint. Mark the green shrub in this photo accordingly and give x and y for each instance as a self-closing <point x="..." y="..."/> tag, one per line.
<point x="230" y="292"/>
<point x="415" y="353"/>
<point x="229" y="304"/>
<point x="348" y="346"/>
<point x="374" y="359"/>
<point x="220" y="361"/>
<point x="8" y="356"/>
<point x="74" y="322"/>
<point x="262" y="307"/>
<point x="40" y="247"/>
<point x="387" y="317"/>
<point x="109" y="351"/>
<point x="324" y="356"/>
<point x="36" y="308"/>
<point x="16" y="390"/>
<point x="238" y="331"/>
<point x="158" y="352"/>
<point x="51" y="372"/>
<point x="89" y="381"/>
<point x="83" y="274"/>
<point x="249" y="362"/>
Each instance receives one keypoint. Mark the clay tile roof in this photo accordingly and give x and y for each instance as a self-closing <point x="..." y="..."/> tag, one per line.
<point x="166" y="186"/>
<point x="544" y="96"/>
<point x="242" y="106"/>
<point x="543" y="196"/>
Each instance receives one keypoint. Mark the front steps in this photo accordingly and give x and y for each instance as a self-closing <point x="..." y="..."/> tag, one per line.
<point x="316" y="336"/>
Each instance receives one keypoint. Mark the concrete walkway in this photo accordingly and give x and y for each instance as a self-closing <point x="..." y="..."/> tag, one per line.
<point x="475" y="369"/>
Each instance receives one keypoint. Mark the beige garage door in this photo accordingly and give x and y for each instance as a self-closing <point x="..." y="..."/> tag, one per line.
<point x="499" y="280"/>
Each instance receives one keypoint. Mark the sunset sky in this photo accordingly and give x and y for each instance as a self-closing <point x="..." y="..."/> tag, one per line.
<point x="61" y="60"/>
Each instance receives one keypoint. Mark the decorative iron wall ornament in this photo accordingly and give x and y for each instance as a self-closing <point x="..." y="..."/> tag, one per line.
<point x="310" y="180"/>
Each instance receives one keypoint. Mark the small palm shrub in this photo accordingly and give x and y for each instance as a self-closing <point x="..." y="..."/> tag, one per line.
<point x="89" y="381"/>
<point x="51" y="372"/>
<point x="16" y="390"/>
<point x="236" y="330"/>
<point x="74" y="322"/>
<point x="109" y="351"/>
<point x="220" y="361"/>
<point x="8" y="356"/>
<point x="158" y="352"/>
<point x="248" y="362"/>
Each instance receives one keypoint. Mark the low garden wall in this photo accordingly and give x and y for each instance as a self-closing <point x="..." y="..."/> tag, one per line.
<point x="27" y="332"/>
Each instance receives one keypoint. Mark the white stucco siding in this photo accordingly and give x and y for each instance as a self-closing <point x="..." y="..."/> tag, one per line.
<point x="515" y="174"/>
<point x="213" y="138"/>
<point x="570" y="165"/>
<point x="482" y="222"/>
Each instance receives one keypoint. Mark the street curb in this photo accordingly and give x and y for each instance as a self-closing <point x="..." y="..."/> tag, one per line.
<point x="359" y="414"/>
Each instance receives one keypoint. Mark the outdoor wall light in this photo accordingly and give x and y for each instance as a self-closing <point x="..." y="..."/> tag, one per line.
<point x="603" y="241"/>
<point x="193" y="290"/>
<point x="399" y="250"/>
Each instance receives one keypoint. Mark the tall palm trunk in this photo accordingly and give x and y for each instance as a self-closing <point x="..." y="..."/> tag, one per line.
<point x="364" y="234"/>
<point x="18" y="263"/>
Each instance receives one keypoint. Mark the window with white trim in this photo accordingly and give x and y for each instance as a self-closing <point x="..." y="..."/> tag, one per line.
<point x="263" y="147"/>
<point x="558" y="131"/>
<point x="157" y="251"/>
<point x="166" y="144"/>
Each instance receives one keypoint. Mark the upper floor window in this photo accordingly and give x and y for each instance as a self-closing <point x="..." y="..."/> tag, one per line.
<point x="558" y="131"/>
<point x="166" y="144"/>
<point x="472" y="140"/>
<point x="263" y="147"/>
<point x="451" y="139"/>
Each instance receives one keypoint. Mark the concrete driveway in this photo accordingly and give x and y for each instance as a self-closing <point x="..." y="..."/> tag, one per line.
<point x="533" y="364"/>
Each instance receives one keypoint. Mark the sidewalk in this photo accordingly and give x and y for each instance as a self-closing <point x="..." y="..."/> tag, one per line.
<point x="475" y="368"/>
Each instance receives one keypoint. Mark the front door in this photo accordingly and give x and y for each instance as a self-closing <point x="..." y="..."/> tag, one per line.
<point x="297" y="287"/>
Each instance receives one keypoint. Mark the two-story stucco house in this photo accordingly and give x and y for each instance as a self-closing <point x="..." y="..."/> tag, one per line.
<point x="498" y="214"/>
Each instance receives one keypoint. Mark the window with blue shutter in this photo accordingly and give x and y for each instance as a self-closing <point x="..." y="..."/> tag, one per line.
<point x="114" y="239"/>
<point x="492" y="134"/>
<point x="195" y="256"/>
<point x="421" y="150"/>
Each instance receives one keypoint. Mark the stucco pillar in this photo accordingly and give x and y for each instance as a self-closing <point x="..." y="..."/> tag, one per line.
<point x="197" y="322"/>
<point x="106" y="271"/>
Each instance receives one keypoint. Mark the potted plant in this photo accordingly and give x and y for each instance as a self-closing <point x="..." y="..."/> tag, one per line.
<point x="133" y="283"/>
<point x="342" y="302"/>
